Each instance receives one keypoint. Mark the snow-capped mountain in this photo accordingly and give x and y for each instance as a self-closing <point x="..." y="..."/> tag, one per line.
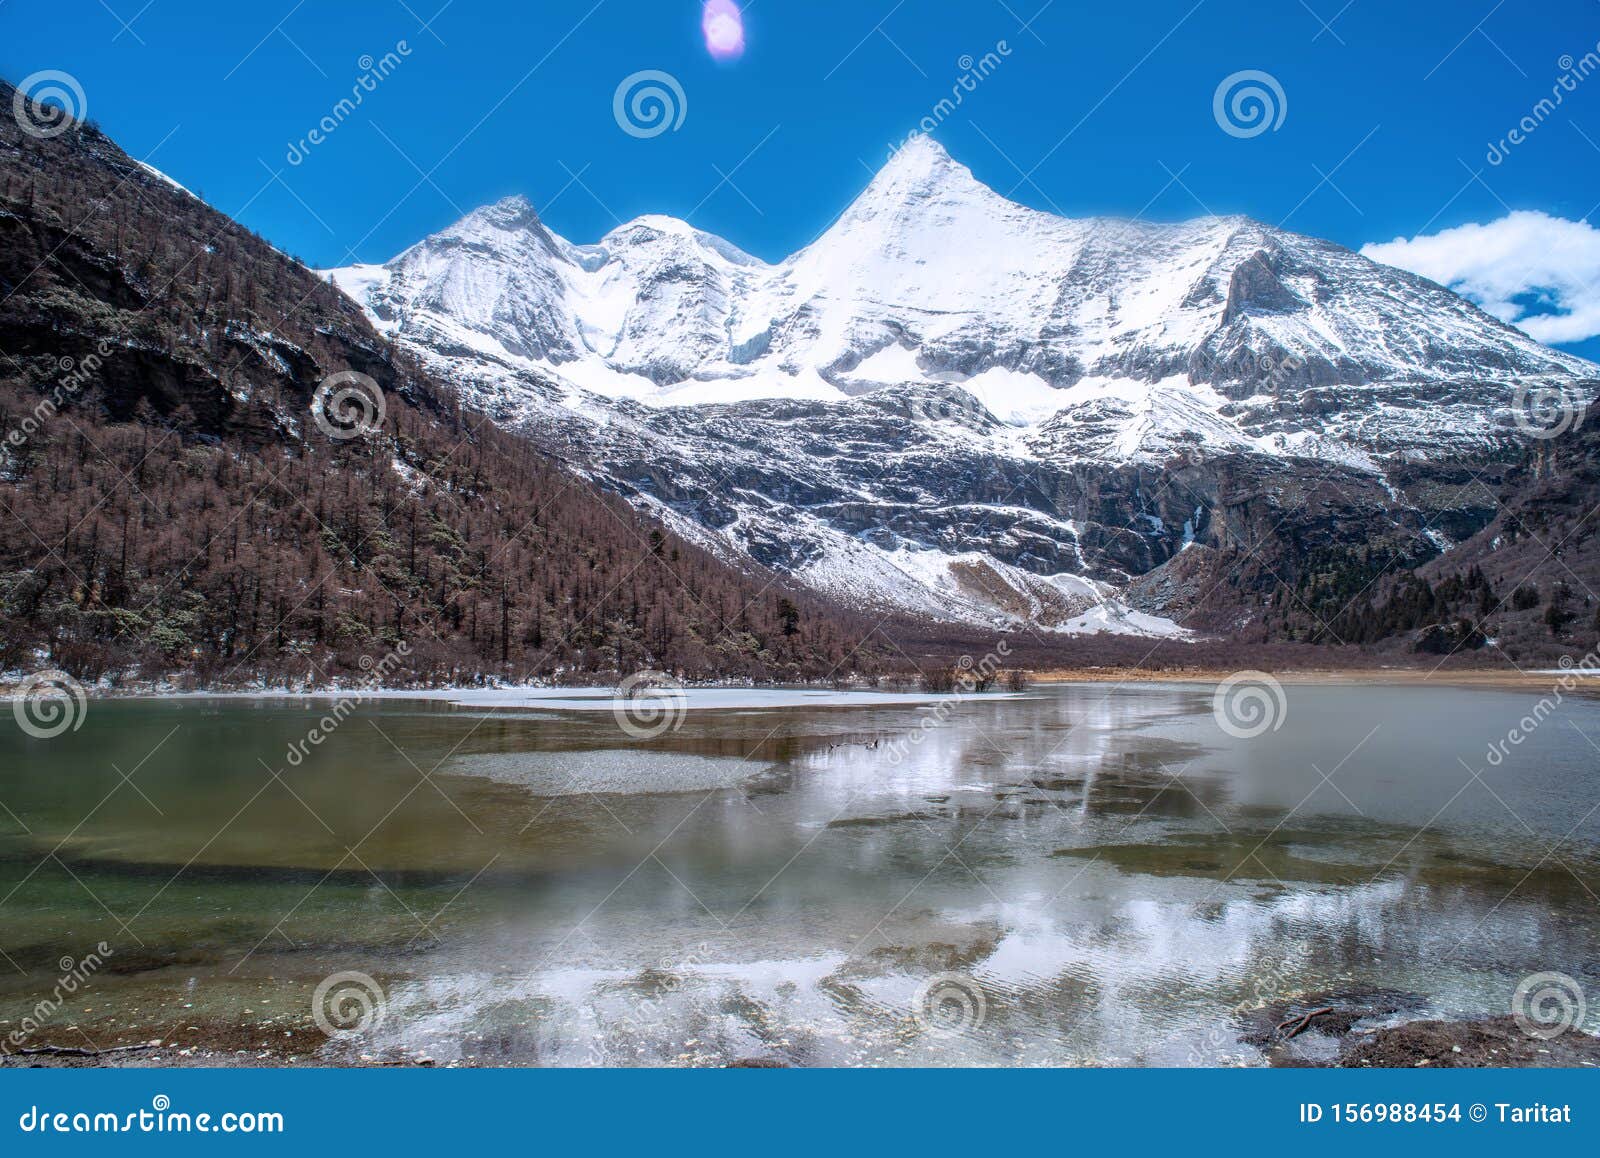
<point x="956" y="405"/>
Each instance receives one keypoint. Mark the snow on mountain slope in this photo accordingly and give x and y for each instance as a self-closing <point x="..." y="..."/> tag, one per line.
<point x="931" y="277"/>
<point x="940" y="350"/>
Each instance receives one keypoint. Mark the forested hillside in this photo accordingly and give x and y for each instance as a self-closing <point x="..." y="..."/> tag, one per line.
<point x="171" y="503"/>
<point x="1523" y="588"/>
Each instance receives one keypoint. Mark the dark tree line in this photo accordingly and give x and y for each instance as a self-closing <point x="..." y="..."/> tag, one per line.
<point x="169" y="505"/>
<point x="137" y="546"/>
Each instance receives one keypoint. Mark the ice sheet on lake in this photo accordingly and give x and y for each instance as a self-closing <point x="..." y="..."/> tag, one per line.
<point x="619" y="770"/>
<point x="690" y="699"/>
<point x="605" y="699"/>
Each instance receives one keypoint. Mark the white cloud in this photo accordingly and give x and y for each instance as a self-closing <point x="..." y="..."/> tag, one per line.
<point x="1523" y="255"/>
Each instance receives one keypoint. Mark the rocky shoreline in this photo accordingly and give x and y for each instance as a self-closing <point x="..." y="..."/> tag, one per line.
<point x="1348" y="1030"/>
<point x="1322" y="1031"/>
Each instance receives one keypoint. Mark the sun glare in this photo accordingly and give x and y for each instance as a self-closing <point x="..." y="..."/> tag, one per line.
<point x="723" y="25"/>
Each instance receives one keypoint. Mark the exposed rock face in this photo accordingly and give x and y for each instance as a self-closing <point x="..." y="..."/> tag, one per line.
<point x="963" y="407"/>
<point x="1538" y="556"/>
<point x="1254" y="288"/>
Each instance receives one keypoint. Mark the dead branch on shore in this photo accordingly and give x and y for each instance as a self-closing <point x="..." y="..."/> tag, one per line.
<point x="76" y="1051"/>
<point x="1297" y="1026"/>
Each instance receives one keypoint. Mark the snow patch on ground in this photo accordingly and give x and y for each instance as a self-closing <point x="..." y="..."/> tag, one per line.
<point x="975" y="588"/>
<point x="1015" y="398"/>
<point x="583" y="699"/>
<point x="162" y="177"/>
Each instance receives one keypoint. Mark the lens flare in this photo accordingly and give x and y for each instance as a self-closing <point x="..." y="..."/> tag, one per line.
<point x="723" y="25"/>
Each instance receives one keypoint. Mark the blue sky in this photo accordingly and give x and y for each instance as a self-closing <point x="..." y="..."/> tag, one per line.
<point x="1389" y="111"/>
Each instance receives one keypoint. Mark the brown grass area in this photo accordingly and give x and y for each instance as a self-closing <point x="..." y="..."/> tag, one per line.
<point x="1442" y="677"/>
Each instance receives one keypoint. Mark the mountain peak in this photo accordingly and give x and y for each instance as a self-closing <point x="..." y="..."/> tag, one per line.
<point x="922" y="146"/>
<point x="922" y="160"/>
<point x="647" y="225"/>
<point x="645" y="229"/>
<point x="921" y="174"/>
<point x="513" y="212"/>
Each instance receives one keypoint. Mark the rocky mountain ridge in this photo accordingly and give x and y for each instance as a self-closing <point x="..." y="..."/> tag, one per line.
<point x="956" y="406"/>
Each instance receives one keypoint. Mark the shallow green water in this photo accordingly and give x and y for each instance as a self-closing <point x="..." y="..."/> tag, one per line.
<point x="1087" y="874"/>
